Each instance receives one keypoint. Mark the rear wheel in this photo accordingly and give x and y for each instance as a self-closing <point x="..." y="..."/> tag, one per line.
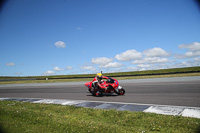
<point x="93" y="93"/>
<point x="98" y="93"/>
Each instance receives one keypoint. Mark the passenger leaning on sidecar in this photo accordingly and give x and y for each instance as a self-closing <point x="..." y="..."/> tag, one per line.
<point x="98" y="80"/>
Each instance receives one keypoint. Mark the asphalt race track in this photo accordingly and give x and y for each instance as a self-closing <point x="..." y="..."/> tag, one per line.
<point x="182" y="91"/>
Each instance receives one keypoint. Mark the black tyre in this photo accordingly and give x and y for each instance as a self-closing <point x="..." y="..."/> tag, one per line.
<point x="122" y="92"/>
<point x="98" y="93"/>
<point x="117" y="92"/>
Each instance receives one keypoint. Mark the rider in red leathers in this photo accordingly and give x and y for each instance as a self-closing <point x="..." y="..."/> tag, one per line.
<point x="98" y="80"/>
<point x="98" y="86"/>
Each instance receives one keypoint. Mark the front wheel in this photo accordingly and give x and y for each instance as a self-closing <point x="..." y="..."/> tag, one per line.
<point x="121" y="91"/>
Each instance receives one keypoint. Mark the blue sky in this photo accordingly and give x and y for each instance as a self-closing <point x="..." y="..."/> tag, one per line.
<point x="55" y="37"/>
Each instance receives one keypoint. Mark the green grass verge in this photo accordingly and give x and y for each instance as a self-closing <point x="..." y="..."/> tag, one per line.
<point x="21" y="117"/>
<point x="176" y="72"/>
<point x="160" y="71"/>
<point x="90" y="79"/>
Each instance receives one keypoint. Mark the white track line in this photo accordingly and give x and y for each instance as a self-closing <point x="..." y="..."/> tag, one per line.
<point x="151" y="108"/>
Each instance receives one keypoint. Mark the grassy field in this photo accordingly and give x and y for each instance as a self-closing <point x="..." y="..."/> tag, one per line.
<point x="90" y="79"/>
<point x="176" y="72"/>
<point x="135" y="73"/>
<point x="22" y="117"/>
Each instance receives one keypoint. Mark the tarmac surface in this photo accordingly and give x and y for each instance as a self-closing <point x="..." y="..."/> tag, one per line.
<point x="179" y="91"/>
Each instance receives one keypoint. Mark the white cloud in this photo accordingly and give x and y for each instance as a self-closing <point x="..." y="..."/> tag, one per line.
<point x="60" y="44"/>
<point x="138" y="61"/>
<point x="192" y="62"/>
<point x="88" y="67"/>
<point x="191" y="47"/>
<point x="10" y="64"/>
<point x="151" y="60"/>
<point x="68" y="67"/>
<point x="156" y="52"/>
<point x="179" y="56"/>
<point x="196" y="59"/>
<point x="48" y="73"/>
<point x="112" y="65"/>
<point x="101" y="61"/>
<point x="187" y="63"/>
<point x="193" y="51"/>
<point x="132" y="68"/>
<point x="113" y="70"/>
<point x="192" y="54"/>
<point x="143" y="65"/>
<point x="58" y="69"/>
<point x="160" y="60"/>
<point x="128" y="55"/>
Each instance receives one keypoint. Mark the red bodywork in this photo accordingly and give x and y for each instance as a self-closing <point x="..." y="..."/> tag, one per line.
<point x="111" y="84"/>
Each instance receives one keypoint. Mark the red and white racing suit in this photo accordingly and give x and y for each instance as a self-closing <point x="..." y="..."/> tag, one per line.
<point x="99" y="83"/>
